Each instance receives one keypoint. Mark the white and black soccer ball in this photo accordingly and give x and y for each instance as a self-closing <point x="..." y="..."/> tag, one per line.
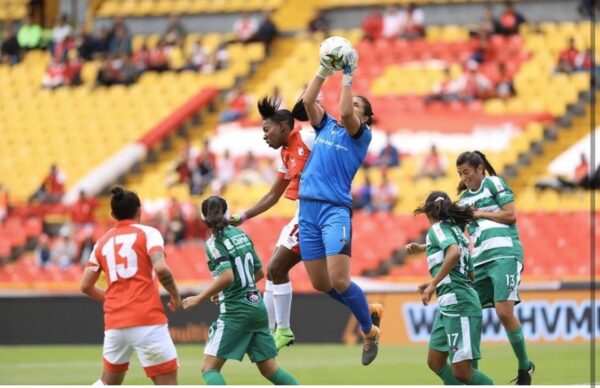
<point x="332" y="51"/>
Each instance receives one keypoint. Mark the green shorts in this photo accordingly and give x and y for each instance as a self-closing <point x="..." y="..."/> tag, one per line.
<point x="458" y="336"/>
<point x="498" y="281"/>
<point x="231" y="344"/>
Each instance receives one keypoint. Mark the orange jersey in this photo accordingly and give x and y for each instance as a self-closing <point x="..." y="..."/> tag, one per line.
<point x="294" y="157"/>
<point x="123" y="254"/>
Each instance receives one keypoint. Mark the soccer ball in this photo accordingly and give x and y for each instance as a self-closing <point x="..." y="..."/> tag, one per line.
<point x="332" y="50"/>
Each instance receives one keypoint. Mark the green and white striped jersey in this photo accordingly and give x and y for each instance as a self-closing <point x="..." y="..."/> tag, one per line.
<point x="454" y="293"/>
<point x="491" y="240"/>
<point x="241" y="303"/>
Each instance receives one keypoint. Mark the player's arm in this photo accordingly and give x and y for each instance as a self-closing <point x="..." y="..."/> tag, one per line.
<point x="165" y="277"/>
<point x="350" y="121"/>
<point x="314" y="111"/>
<point x="413" y="248"/>
<point x="88" y="285"/>
<point x="506" y="214"/>
<point x="451" y="258"/>
<point x="258" y="275"/>
<point x="266" y="202"/>
<point x="220" y="283"/>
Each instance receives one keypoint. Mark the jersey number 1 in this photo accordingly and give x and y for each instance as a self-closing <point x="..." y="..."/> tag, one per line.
<point x="126" y="251"/>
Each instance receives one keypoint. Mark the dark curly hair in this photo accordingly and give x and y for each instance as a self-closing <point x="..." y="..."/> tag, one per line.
<point x="268" y="107"/>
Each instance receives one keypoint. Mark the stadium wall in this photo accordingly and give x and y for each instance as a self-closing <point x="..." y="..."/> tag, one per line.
<point x="546" y="316"/>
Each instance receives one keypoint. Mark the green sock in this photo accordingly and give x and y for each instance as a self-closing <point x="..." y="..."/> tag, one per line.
<point x="281" y="377"/>
<point x="517" y="341"/>
<point x="213" y="377"/>
<point x="479" y="378"/>
<point x="447" y="377"/>
<point x="475" y="364"/>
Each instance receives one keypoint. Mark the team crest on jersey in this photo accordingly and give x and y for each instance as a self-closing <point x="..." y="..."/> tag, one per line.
<point x="253" y="297"/>
<point x="300" y="151"/>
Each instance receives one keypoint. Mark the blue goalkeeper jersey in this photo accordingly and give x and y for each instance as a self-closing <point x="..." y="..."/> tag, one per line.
<point x="334" y="160"/>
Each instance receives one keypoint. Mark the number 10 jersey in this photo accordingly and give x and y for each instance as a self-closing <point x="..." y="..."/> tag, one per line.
<point x="241" y="305"/>
<point x="123" y="254"/>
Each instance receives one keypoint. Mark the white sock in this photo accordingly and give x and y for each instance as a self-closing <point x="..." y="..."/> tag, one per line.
<point x="282" y="294"/>
<point x="99" y="382"/>
<point x="268" y="296"/>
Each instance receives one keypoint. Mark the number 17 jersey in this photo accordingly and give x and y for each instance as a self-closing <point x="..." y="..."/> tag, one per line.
<point x="123" y="254"/>
<point x="241" y="305"/>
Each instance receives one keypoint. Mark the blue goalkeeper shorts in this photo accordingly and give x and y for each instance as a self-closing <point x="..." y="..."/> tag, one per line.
<point x="325" y="229"/>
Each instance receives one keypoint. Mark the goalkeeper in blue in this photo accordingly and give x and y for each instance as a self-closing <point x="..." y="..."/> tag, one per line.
<point x="325" y="213"/>
<point x="242" y="326"/>
<point x="456" y="331"/>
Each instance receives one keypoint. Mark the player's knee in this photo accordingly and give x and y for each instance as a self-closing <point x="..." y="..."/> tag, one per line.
<point x="462" y="374"/>
<point x="278" y="272"/>
<point x="434" y="364"/>
<point x="340" y="283"/>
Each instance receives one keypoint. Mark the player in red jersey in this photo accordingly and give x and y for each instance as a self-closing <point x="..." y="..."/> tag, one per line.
<point x="295" y="144"/>
<point x="134" y="319"/>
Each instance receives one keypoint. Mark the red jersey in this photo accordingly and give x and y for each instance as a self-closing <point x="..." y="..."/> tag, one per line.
<point x="294" y="157"/>
<point x="132" y="297"/>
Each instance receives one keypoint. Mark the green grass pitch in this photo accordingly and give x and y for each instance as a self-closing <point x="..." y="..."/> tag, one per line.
<point x="310" y="364"/>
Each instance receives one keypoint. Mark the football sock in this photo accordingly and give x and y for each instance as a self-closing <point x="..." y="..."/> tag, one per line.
<point x="447" y="376"/>
<point x="517" y="341"/>
<point x="357" y="302"/>
<point x="281" y="377"/>
<point x="213" y="377"/>
<point x="270" y="304"/>
<point x="336" y="295"/>
<point x="282" y="298"/>
<point x="479" y="378"/>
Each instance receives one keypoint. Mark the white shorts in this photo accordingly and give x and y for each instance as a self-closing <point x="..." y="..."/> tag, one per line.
<point x="289" y="236"/>
<point x="152" y="344"/>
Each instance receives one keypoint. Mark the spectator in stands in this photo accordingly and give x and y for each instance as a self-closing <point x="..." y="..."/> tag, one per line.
<point x="238" y="104"/>
<point x="128" y="73"/>
<point x="389" y="155"/>
<point x="121" y="42"/>
<point x="318" y="24"/>
<point x="433" y="165"/>
<point x="580" y="179"/>
<point x="392" y="23"/>
<point x="244" y="28"/>
<point x="199" y="57"/>
<point x="175" y="31"/>
<point x="220" y="58"/>
<point x="473" y="85"/>
<point x="118" y="24"/>
<point x="481" y="51"/>
<point x="61" y="49"/>
<point x="385" y="196"/>
<point x="64" y="250"/>
<point x="225" y="171"/>
<point x="104" y="40"/>
<point x="176" y="223"/>
<point x="372" y="26"/>
<point x="510" y="20"/>
<point x="29" y="35"/>
<point x="362" y="197"/>
<point x="87" y="44"/>
<point x="568" y="57"/>
<point x="411" y="22"/>
<point x="159" y="59"/>
<point x="54" y="77"/>
<point x="42" y="251"/>
<point x="141" y="58"/>
<point x="488" y="24"/>
<point x="266" y="32"/>
<point x="73" y="69"/>
<point x="4" y="203"/>
<point x="204" y="171"/>
<point x="10" y="51"/>
<point x="184" y="165"/>
<point x="504" y="85"/>
<point x="82" y="211"/>
<point x="107" y="74"/>
<point x="445" y="90"/>
<point x="61" y="30"/>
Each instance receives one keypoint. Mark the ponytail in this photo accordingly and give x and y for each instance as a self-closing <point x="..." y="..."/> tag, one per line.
<point x="268" y="107"/>
<point x="439" y="206"/>
<point x="474" y="159"/>
<point x="215" y="214"/>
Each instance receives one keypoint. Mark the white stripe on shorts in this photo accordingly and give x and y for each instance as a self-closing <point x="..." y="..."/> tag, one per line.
<point x="464" y="353"/>
<point x="212" y="347"/>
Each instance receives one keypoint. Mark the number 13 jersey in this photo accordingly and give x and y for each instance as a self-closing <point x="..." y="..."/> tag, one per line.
<point x="123" y="254"/>
<point x="241" y="305"/>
